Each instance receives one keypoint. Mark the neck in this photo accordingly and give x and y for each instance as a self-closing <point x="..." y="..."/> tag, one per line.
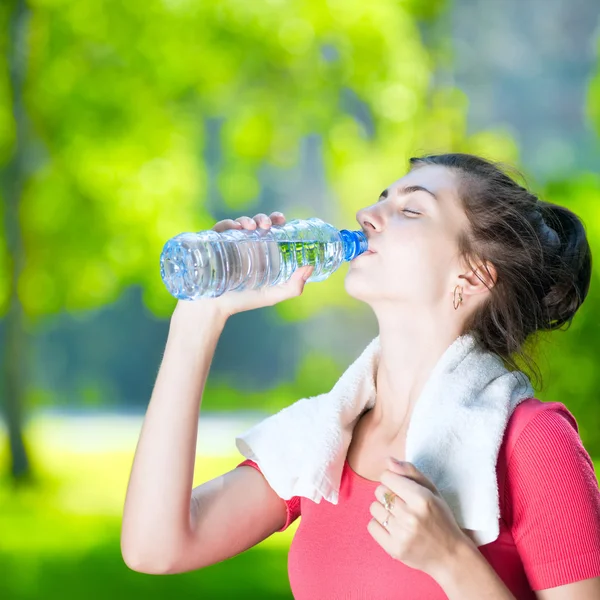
<point x="406" y="361"/>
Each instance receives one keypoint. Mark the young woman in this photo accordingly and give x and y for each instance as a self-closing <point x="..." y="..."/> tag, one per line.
<point x="456" y="246"/>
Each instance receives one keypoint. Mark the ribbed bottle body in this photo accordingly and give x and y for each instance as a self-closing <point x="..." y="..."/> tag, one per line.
<point x="208" y="263"/>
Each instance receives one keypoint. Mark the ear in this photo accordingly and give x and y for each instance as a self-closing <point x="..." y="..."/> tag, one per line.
<point x="478" y="279"/>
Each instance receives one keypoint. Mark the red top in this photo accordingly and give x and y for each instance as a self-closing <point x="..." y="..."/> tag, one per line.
<point x="549" y="526"/>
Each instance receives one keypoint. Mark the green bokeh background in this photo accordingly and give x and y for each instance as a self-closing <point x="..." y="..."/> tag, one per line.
<point x="124" y="124"/>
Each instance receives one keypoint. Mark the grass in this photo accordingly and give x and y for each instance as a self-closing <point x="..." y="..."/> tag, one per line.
<point x="62" y="538"/>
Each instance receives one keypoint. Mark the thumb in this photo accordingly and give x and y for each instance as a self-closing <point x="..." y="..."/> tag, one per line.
<point x="307" y="272"/>
<point x="299" y="277"/>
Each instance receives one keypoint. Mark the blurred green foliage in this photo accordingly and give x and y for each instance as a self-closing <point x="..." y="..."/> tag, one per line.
<point x="592" y="108"/>
<point x="120" y="100"/>
<point x="63" y="540"/>
<point x="568" y="360"/>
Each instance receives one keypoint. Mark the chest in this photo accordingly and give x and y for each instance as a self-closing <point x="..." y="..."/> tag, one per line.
<point x="333" y="555"/>
<point x="368" y="452"/>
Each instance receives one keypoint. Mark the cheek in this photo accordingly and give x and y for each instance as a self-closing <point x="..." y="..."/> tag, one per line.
<point x="432" y="251"/>
<point x="418" y="264"/>
<point x="416" y="260"/>
<point x="406" y="258"/>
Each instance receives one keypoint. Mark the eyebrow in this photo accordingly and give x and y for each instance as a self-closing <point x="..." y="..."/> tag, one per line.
<point x="408" y="190"/>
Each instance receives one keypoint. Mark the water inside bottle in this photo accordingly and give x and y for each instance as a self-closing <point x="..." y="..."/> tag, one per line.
<point x="192" y="268"/>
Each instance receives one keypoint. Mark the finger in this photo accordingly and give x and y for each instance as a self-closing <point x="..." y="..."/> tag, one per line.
<point x="394" y="500"/>
<point x="301" y="273"/>
<point x="380" y="514"/>
<point x="226" y="224"/>
<point x="291" y="288"/>
<point x="247" y="222"/>
<point x="407" y="469"/>
<point x="262" y="220"/>
<point x="305" y="272"/>
<point x="404" y="487"/>
<point x="295" y="284"/>
<point x="397" y="506"/>
<point x="383" y="537"/>
<point x="277" y="217"/>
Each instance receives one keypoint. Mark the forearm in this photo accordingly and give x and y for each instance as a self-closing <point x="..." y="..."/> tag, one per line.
<point x="157" y="505"/>
<point x="471" y="577"/>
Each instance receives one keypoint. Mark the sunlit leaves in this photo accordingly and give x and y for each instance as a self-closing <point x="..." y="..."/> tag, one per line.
<point x="118" y="96"/>
<point x="239" y="186"/>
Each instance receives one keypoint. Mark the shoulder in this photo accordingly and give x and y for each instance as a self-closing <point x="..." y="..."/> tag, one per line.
<point x="534" y="418"/>
<point x="547" y="463"/>
<point x="543" y="447"/>
<point x="552" y="496"/>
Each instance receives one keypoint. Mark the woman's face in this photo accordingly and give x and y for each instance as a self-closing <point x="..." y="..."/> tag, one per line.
<point x="414" y="237"/>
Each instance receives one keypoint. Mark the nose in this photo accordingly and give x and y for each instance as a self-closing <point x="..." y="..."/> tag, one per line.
<point x="370" y="219"/>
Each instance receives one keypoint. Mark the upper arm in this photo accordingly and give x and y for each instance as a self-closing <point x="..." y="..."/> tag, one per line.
<point x="587" y="589"/>
<point x="230" y="514"/>
<point x="555" y="504"/>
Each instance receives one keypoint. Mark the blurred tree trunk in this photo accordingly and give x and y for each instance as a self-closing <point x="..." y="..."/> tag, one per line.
<point x="15" y="355"/>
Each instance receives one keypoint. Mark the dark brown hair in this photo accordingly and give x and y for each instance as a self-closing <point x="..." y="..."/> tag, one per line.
<point x="539" y="250"/>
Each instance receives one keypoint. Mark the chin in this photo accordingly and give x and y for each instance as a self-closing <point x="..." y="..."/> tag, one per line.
<point x="358" y="287"/>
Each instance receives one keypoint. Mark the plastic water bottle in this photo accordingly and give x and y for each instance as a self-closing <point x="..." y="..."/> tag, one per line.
<point x="210" y="263"/>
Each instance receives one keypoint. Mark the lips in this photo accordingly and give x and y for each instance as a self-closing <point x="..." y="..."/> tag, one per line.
<point x="365" y="253"/>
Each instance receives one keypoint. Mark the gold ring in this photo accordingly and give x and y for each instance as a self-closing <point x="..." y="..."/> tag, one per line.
<point x="388" y="500"/>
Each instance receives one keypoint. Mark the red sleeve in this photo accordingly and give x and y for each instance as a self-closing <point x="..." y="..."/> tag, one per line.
<point x="292" y="505"/>
<point x="554" y="502"/>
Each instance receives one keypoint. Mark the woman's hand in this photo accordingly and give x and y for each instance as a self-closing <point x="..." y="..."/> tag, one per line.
<point x="421" y="530"/>
<point x="233" y="302"/>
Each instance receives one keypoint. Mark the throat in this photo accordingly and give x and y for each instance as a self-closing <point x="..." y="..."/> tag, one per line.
<point x="381" y="431"/>
<point x="369" y="450"/>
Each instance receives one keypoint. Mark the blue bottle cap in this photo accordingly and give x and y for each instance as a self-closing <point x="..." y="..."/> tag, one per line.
<point x="355" y="243"/>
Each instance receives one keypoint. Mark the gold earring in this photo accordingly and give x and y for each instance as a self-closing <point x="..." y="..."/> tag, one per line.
<point x="460" y="298"/>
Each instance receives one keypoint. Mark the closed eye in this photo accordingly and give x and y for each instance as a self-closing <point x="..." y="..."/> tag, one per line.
<point x="414" y="212"/>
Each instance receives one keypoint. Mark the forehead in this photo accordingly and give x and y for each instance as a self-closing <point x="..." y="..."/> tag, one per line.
<point x="439" y="180"/>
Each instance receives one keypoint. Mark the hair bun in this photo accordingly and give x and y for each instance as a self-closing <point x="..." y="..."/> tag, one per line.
<point x="568" y="264"/>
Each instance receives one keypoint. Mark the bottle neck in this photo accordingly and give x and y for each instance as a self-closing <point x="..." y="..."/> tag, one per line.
<point x="354" y="243"/>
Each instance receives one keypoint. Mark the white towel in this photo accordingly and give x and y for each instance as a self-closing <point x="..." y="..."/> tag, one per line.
<point x="453" y="438"/>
